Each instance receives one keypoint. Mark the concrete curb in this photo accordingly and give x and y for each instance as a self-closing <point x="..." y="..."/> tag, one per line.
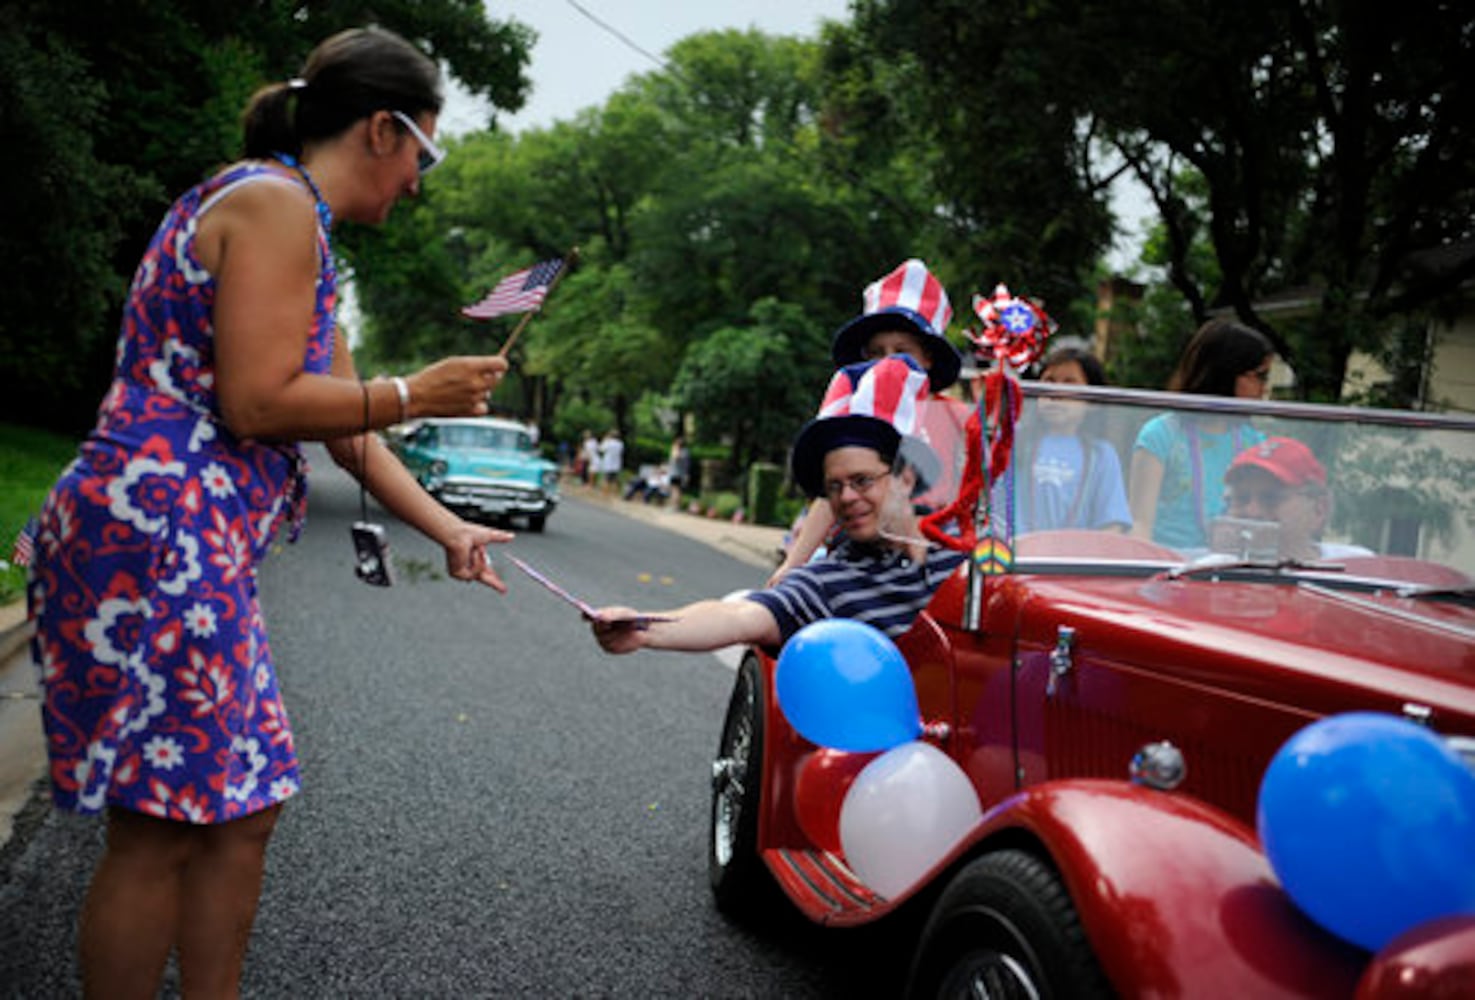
<point x="15" y="629"/>
<point x="22" y="744"/>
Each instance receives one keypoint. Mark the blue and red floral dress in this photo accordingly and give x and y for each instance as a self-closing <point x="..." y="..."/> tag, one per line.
<point x="160" y="694"/>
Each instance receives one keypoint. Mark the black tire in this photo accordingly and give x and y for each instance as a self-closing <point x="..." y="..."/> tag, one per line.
<point x="1005" y="928"/>
<point x="536" y="522"/>
<point x="740" y="881"/>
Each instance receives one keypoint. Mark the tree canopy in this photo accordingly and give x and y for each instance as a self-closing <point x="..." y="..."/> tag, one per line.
<point x="1311" y="146"/>
<point x="117" y="106"/>
<point x="731" y="205"/>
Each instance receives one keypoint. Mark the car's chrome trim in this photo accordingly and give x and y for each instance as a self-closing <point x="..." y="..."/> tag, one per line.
<point x="1323" y="412"/>
<point x="1378" y="608"/>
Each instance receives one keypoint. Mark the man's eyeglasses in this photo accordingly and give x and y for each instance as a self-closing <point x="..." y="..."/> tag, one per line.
<point x="430" y="153"/>
<point x="861" y="483"/>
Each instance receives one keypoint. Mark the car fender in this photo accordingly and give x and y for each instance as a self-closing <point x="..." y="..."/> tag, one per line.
<point x="1434" y="961"/>
<point x="1172" y="892"/>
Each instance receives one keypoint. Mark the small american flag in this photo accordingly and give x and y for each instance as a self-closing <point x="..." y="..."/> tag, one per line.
<point x="518" y="292"/>
<point x="25" y="544"/>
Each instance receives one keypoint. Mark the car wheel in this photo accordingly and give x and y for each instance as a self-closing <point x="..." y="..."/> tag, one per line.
<point x="537" y="521"/>
<point x="737" y="874"/>
<point x="1005" y="927"/>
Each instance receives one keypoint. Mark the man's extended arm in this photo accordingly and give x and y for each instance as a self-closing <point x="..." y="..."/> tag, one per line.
<point x="698" y="627"/>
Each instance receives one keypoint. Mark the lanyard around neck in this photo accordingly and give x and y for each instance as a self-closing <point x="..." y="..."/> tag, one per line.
<point x="1196" y="461"/>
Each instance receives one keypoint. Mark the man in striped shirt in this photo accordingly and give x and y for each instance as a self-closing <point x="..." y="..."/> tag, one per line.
<point x="883" y="573"/>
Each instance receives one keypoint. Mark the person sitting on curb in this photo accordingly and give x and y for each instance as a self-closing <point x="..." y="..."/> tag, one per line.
<point x="904" y="313"/>
<point x="649" y="483"/>
<point x="858" y="454"/>
<point x="1279" y="480"/>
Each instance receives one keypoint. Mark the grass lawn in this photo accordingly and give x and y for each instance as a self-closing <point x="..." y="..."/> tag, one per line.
<point x="30" y="460"/>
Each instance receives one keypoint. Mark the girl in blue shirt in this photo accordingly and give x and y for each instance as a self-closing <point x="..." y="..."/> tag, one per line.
<point x="1179" y="460"/>
<point x="1070" y="479"/>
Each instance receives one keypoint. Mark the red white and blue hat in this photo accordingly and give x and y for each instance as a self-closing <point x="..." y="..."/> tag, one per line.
<point x="912" y="299"/>
<point x="874" y="404"/>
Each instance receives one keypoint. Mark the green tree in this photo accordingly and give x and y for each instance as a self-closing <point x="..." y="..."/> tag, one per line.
<point x="57" y="231"/>
<point x="128" y="104"/>
<point x="1333" y="141"/>
<point x="757" y="383"/>
<point x="694" y="192"/>
<point x="959" y="93"/>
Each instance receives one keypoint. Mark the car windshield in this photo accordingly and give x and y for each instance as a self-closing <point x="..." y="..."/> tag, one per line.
<point x="1103" y="474"/>
<point x="482" y="436"/>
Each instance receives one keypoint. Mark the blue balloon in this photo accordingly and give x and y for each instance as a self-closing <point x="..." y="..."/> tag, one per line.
<point x="844" y="684"/>
<point x="1369" y="822"/>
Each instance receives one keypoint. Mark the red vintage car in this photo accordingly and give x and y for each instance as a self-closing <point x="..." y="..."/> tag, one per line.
<point x="1115" y="702"/>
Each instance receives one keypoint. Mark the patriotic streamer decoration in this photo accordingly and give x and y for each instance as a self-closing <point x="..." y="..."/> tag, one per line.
<point x="1012" y="336"/>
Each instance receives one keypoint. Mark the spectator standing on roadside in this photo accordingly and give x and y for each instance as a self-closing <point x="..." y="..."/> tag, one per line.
<point x="162" y="706"/>
<point x="589" y="468"/>
<point x="611" y="461"/>
<point x="904" y="312"/>
<point x="1178" y="462"/>
<point x="678" y="469"/>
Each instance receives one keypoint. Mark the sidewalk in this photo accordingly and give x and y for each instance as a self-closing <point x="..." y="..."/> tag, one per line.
<point x="22" y="745"/>
<point x="756" y="544"/>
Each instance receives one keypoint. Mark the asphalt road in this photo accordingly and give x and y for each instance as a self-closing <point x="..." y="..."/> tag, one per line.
<point x="491" y="805"/>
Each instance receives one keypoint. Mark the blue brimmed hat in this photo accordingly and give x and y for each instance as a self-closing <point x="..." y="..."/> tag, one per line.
<point x="909" y="298"/>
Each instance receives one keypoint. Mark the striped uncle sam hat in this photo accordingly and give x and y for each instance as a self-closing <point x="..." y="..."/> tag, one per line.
<point x="909" y="298"/>
<point x="873" y="404"/>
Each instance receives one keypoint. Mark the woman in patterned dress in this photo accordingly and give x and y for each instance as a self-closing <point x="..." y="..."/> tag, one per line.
<point x="162" y="707"/>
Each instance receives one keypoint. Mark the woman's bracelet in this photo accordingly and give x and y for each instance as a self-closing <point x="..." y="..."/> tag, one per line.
<point x="402" y="389"/>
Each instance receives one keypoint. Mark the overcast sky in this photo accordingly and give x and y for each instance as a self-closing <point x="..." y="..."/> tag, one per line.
<point x="580" y="59"/>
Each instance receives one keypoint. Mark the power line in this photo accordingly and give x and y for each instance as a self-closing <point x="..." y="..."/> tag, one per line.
<point x="620" y="35"/>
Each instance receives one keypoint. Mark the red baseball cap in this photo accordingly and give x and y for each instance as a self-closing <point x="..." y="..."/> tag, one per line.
<point x="1287" y="459"/>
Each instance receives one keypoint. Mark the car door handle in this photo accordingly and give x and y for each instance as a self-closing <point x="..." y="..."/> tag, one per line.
<point x="1062" y="658"/>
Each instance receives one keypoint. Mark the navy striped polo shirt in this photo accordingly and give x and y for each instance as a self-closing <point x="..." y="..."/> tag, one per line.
<point x="878" y="585"/>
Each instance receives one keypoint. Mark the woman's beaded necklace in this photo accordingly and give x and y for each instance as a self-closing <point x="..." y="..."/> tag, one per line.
<point x="325" y="214"/>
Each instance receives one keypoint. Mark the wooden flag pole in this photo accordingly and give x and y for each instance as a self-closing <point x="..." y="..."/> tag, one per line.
<point x="568" y="262"/>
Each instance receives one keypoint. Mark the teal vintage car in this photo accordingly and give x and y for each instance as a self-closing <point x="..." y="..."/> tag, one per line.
<point x="482" y="467"/>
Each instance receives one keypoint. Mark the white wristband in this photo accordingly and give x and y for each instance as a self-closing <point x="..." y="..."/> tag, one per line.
<point x="402" y="388"/>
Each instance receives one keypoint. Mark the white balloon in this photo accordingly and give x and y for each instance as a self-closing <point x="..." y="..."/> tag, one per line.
<point x="905" y="810"/>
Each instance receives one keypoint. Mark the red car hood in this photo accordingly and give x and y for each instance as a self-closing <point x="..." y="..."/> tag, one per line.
<point x="1419" y="650"/>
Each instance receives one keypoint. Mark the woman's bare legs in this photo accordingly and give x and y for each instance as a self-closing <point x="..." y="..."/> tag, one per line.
<point x="222" y="886"/>
<point x="132" y="907"/>
<point x="162" y="883"/>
